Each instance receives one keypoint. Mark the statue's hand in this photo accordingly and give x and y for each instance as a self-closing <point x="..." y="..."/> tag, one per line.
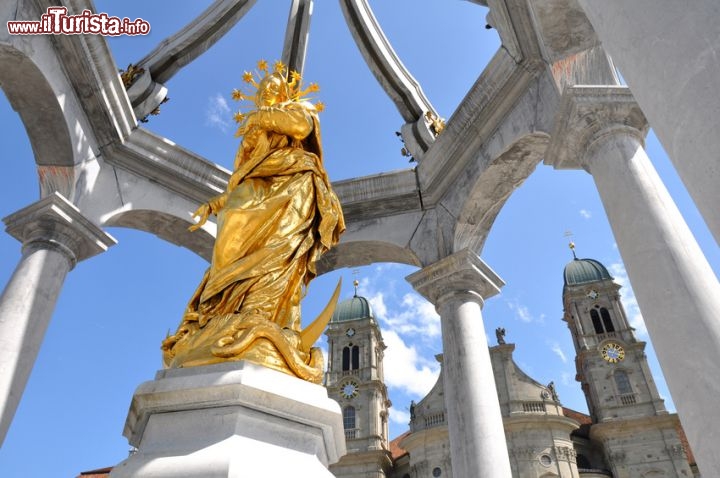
<point x="213" y="206"/>
<point x="204" y="213"/>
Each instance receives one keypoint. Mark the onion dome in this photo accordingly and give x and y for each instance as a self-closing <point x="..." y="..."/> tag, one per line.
<point x="584" y="271"/>
<point x="355" y="308"/>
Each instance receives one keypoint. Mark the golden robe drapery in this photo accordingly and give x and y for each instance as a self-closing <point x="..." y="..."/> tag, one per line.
<point x="276" y="218"/>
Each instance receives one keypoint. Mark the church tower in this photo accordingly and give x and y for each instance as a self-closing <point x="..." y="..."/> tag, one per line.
<point x="629" y="416"/>
<point x="355" y="379"/>
<point x="611" y="363"/>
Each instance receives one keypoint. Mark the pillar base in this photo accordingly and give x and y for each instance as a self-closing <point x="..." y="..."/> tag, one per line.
<point x="233" y="419"/>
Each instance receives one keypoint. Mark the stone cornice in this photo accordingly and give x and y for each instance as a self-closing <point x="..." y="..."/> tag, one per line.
<point x="54" y="222"/>
<point x="378" y="195"/>
<point x="523" y="422"/>
<point x="630" y="427"/>
<point x="461" y="272"/>
<point x="155" y="158"/>
<point x="422" y="437"/>
<point x="588" y="113"/>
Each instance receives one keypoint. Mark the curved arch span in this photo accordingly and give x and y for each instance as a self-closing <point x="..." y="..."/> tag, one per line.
<point x="167" y="227"/>
<point x="494" y="187"/>
<point x="31" y="95"/>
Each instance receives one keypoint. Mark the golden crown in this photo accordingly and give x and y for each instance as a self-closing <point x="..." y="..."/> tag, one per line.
<point x="293" y="79"/>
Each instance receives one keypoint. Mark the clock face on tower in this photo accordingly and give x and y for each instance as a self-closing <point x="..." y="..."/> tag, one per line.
<point x="593" y="294"/>
<point x="350" y="332"/>
<point x="612" y="352"/>
<point x="349" y="389"/>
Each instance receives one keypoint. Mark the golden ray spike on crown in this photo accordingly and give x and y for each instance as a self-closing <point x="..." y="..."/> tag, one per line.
<point x="293" y="80"/>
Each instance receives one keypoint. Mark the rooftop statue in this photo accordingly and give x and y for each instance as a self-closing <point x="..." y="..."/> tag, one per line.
<point x="276" y="218"/>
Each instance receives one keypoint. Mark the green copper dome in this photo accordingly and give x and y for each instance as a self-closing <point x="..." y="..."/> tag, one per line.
<point x="351" y="309"/>
<point x="583" y="271"/>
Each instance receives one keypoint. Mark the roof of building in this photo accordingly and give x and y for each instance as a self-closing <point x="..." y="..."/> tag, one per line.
<point x="100" y="473"/>
<point x="395" y="450"/>
<point x="580" y="417"/>
<point x="354" y="308"/>
<point x="583" y="271"/>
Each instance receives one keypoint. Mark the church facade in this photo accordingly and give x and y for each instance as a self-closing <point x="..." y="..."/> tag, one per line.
<point x="627" y="434"/>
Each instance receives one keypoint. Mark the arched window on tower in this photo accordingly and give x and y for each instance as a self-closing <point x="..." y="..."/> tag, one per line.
<point x="355" y="358"/>
<point x="602" y="323"/>
<point x="607" y="321"/>
<point x="346" y="359"/>
<point x="622" y="381"/>
<point x="349" y="423"/>
<point x="597" y="324"/>
<point x="351" y="358"/>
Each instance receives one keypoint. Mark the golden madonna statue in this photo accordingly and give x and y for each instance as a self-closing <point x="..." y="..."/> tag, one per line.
<point x="278" y="215"/>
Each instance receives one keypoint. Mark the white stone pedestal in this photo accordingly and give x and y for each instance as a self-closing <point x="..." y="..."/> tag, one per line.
<point x="231" y="420"/>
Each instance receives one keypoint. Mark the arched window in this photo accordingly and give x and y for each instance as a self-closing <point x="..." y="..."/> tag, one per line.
<point x="597" y="324"/>
<point x="349" y="418"/>
<point x="622" y="382"/>
<point x="355" y="364"/>
<point x="351" y="358"/>
<point x="346" y="359"/>
<point x="607" y="322"/>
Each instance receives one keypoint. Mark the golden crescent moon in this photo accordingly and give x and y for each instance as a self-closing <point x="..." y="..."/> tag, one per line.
<point x="310" y="334"/>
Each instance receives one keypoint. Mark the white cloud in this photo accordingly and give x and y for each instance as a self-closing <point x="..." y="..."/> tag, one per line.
<point x="567" y="378"/>
<point x="377" y="302"/>
<point x="399" y="416"/>
<point x="218" y="112"/>
<point x="585" y="213"/>
<point x="405" y="368"/>
<point x="632" y="309"/>
<point x="523" y="312"/>
<point x="557" y="350"/>
<point x="415" y="315"/>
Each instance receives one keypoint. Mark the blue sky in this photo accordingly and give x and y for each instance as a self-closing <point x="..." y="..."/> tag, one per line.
<point x="115" y="308"/>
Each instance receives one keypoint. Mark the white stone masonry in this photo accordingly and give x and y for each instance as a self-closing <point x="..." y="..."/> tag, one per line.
<point x="55" y="236"/>
<point x="602" y="130"/>
<point x="458" y="285"/>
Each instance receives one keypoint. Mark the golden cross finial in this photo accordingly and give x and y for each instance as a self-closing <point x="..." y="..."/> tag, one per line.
<point x="356" y="283"/>
<point x="571" y="244"/>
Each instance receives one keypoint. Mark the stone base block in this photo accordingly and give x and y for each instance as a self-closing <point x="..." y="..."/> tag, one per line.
<point x="233" y="419"/>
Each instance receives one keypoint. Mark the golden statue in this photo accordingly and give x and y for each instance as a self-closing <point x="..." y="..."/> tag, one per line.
<point x="278" y="215"/>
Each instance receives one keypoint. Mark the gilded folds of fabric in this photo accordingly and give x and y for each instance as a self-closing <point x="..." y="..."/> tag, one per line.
<point x="278" y="216"/>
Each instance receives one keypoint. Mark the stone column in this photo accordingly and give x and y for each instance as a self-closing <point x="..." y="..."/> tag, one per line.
<point x="457" y="285"/>
<point x="667" y="51"/>
<point x="54" y="236"/>
<point x="601" y="129"/>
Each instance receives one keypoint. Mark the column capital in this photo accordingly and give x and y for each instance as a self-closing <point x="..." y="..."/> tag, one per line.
<point x="461" y="272"/>
<point x="588" y="113"/>
<point x="54" y="222"/>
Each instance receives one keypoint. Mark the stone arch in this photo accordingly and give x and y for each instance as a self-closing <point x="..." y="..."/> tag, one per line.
<point x="494" y="187"/>
<point x="357" y="253"/>
<point x="167" y="227"/>
<point x="31" y="95"/>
